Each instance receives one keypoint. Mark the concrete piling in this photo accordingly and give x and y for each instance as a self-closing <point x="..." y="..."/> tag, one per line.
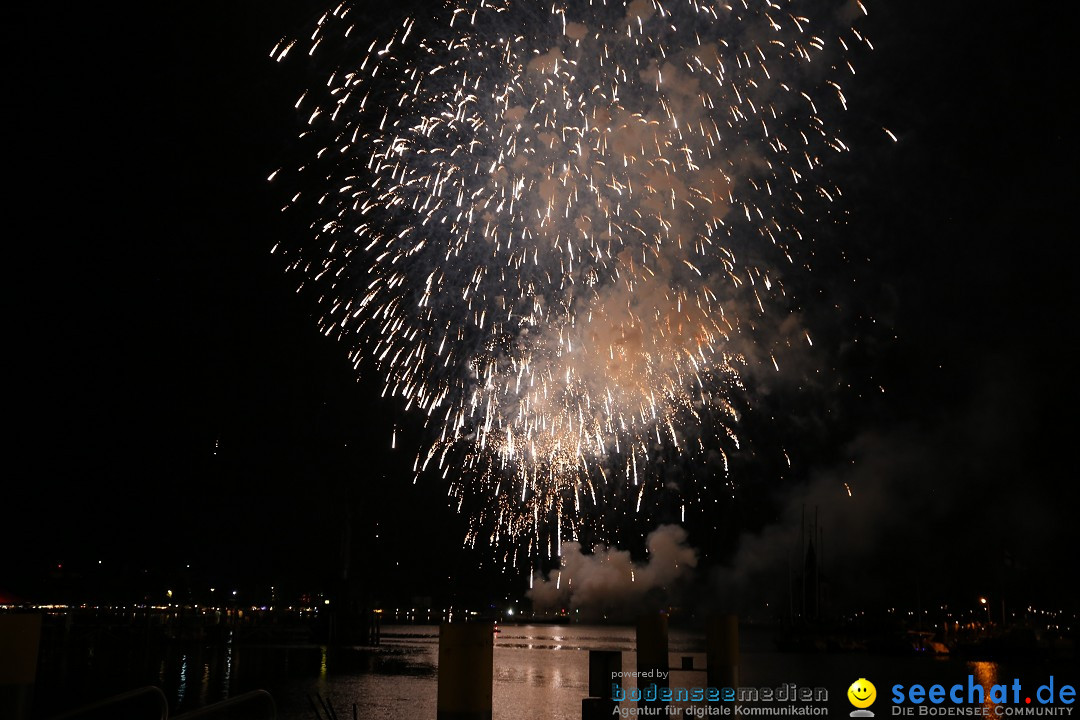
<point x="722" y="649"/>
<point x="20" y="637"/>
<point x="652" y="656"/>
<point x="603" y="668"/>
<point x="466" y="669"/>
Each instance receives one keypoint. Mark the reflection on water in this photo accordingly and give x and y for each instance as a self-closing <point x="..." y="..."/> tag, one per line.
<point x="204" y="686"/>
<point x="181" y="692"/>
<point x="540" y="672"/>
<point x="986" y="674"/>
<point x="226" y="679"/>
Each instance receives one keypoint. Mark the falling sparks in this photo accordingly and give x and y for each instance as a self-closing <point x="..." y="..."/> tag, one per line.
<point x="556" y="233"/>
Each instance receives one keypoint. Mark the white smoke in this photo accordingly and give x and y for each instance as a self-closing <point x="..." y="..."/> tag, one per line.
<point x="607" y="582"/>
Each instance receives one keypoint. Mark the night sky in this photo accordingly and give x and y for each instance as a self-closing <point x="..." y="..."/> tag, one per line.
<point x="173" y="403"/>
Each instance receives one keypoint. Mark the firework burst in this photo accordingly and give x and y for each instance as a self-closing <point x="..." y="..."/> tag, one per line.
<point x="559" y="232"/>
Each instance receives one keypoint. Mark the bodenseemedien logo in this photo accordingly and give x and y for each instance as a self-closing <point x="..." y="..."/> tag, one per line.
<point x="862" y="694"/>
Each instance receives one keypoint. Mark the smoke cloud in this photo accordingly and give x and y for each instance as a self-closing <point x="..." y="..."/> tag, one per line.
<point x="608" y="583"/>
<point x="915" y="513"/>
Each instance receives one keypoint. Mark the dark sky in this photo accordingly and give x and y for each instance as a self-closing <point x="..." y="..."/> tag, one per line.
<point x="173" y="403"/>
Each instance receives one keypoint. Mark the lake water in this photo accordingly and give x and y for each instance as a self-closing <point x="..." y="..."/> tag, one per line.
<point x="540" y="672"/>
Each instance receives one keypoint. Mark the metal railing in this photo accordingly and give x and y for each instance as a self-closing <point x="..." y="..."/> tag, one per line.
<point x="246" y="698"/>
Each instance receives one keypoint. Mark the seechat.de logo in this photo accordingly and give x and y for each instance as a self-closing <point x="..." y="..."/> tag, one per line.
<point x="862" y="695"/>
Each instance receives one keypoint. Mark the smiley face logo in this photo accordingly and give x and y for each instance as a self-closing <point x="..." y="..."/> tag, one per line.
<point x="862" y="693"/>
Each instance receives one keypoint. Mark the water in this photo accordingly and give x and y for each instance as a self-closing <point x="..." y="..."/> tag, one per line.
<point x="540" y="672"/>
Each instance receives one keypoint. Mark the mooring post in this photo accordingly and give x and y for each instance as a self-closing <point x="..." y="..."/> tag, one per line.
<point x="466" y="668"/>
<point x="722" y="651"/>
<point x="652" y="658"/>
<point x="20" y="637"/>
<point x="605" y="667"/>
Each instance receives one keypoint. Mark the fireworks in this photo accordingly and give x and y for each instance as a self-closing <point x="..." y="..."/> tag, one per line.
<point x="561" y="232"/>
